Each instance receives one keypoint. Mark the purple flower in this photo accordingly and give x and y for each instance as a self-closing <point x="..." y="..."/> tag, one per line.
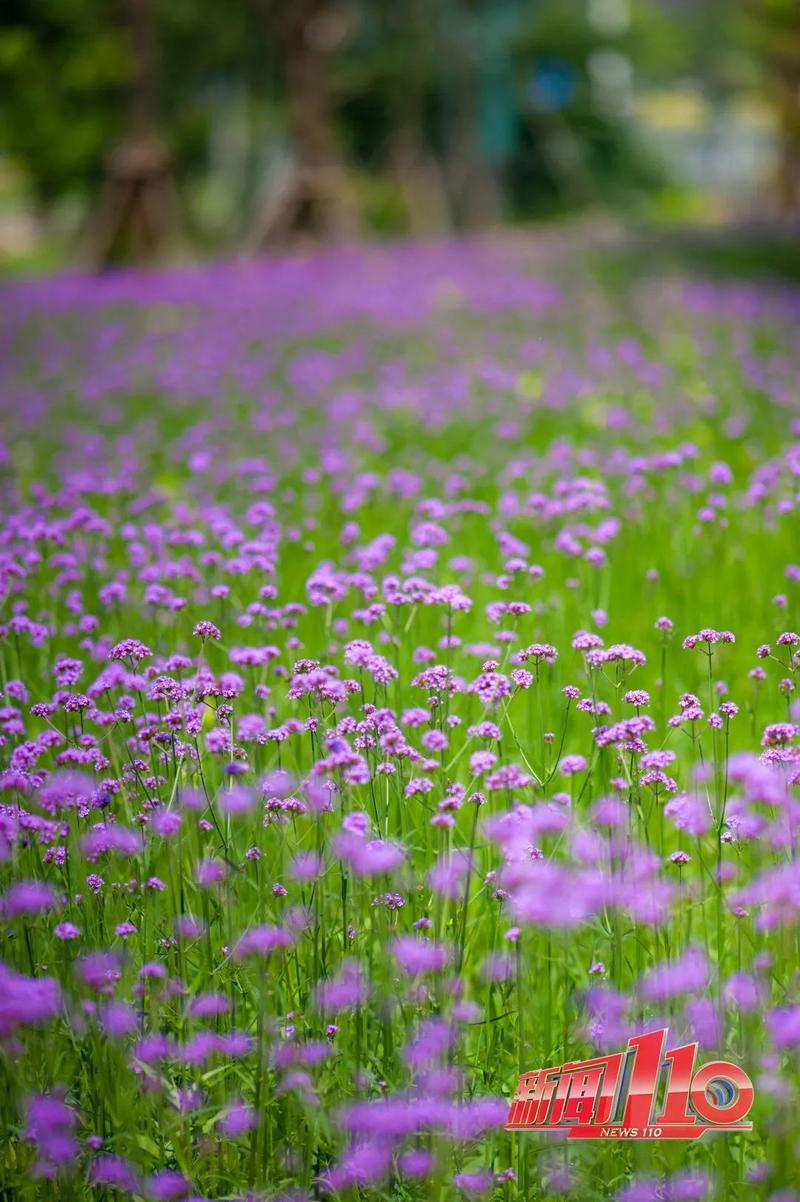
<point x="207" y="630"/>
<point x="474" y="1183"/>
<point x="744" y="992"/>
<point x="419" y="956"/>
<point x="346" y="989"/>
<point x="449" y="875"/>
<point x="689" y="1185"/>
<point x="66" y="931"/>
<point x="367" y="857"/>
<point x="237" y="1119"/>
<point x="689" y="812"/>
<point x="417" y="1162"/>
<point x="784" y="1026"/>
<point x="236" y="800"/>
<point x="208" y="1005"/>
<point x="100" y="971"/>
<point x="687" y="974"/>
<point x="432" y="1040"/>
<point x="301" y="871"/>
<point x="130" y="649"/>
<point x="261" y="940"/>
<point x="572" y="764"/>
<point x="49" y="1123"/>
<point x="646" y="1189"/>
<point x="118" y="1019"/>
<point x="167" y="823"/>
<point x="112" y="1171"/>
<point x="26" y="899"/>
<point x="209" y="873"/>
<point x="365" y="1163"/>
<point x="166" y="1185"/>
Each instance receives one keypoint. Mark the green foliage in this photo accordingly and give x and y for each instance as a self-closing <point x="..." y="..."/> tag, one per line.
<point x="538" y="94"/>
<point x="63" y="70"/>
<point x="66" y="68"/>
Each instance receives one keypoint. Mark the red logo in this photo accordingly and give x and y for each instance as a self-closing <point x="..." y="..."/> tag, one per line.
<point x="641" y="1093"/>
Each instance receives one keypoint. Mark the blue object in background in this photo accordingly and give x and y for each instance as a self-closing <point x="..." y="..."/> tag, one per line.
<point x="552" y="84"/>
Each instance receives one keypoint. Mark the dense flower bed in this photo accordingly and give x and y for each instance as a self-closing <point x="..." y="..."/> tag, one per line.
<point x="399" y="654"/>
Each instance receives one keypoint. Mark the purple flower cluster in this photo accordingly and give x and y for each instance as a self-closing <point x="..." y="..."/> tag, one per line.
<point x="350" y="762"/>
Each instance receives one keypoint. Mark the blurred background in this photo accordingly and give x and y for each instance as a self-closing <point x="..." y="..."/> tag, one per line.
<point x="132" y="130"/>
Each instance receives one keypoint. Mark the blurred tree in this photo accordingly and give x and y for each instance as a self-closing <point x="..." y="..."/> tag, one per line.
<point x="410" y="89"/>
<point x="403" y="51"/>
<point x="315" y="200"/>
<point x="428" y="115"/>
<point x="773" y="26"/>
<point x="427" y="98"/>
<point x="473" y="182"/>
<point x="385" y="84"/>
<point x="574" y="76"/>
<point x="64" y="67"/>
<point x="136" y="205"/>
<point x="86" y="106"/>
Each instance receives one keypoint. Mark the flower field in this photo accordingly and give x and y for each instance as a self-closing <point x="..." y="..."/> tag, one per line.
<point x="399" y="656"/>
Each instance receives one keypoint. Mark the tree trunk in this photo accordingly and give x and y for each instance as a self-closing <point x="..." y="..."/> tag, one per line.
<point x="788" y="180"/>
<point x="315" y="202"/>
<point x="136" y="205"/>
<point x="410" y="158"/>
